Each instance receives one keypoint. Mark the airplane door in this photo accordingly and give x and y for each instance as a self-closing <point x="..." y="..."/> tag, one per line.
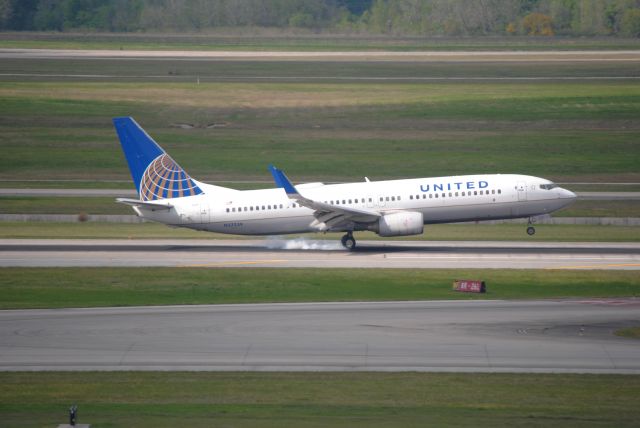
<point x="204" y="213"/>
<point x="521" y="187"/>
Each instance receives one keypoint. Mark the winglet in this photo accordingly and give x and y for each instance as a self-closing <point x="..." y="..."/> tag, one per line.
<point x="282" y="181"/>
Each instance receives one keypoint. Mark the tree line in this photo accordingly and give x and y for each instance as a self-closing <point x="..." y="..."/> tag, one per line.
<point x="394" y="17"/>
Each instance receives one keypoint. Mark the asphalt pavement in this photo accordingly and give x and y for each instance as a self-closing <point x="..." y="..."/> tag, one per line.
<point x="309" y="253"/>
<point x="475" y="336"/>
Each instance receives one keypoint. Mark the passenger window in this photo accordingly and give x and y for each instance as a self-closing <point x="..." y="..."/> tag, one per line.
<point x="450" y="194"/>
<point x="475" y="192"/>
<point x="499" y="191"/>
<point x="444" y="195"/>
<point x="227" y="209"/>
<point x="411" y="197"/>
<point x="425" y="196"/>
<point x="350" y="201"/>
<point x="387" y="198"/>
<point x="398" y="197"/>
<point x="462" y="193"/>
<point x="456" y="193"/>
<point x="430" y="196"/>
<point x="436" y="195"/>
<point x="393" y="198"/>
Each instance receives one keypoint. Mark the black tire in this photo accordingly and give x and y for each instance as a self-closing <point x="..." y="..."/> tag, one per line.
<point x="531" y="230"/>
<point x="348" y="242"/>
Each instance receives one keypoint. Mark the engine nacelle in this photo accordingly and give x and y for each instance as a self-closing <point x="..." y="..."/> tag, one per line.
<point x="400" y="224"/>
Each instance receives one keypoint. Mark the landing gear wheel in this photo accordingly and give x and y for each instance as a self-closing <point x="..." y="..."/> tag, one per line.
<point x="531" y="230"/>
<point x="348" y="241"/>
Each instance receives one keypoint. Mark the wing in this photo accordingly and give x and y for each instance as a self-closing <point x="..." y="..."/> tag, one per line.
<point x="328" y="217"/>
<point x="151" y="205"/>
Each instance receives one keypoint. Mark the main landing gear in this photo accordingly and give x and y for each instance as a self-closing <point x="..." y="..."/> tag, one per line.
<point x="348" y="241"/>
<point x="530" y="229"/>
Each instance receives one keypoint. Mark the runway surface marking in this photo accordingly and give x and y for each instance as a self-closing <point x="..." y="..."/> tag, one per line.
<point x="481" y="336"/>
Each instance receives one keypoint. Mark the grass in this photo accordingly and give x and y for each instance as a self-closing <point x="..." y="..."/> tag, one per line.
<point x="631" y="332"/>
<point x="65" y="184"/>
<point x="305" y="70"/>
<point x="603" y="187"/>
<point x="168" y="399"/>
<point x="287" y="39"/>
<point x="91" y="287"/>
<point x="330" y="129"/>
<point x="486" y="100"/>
<point x="613" y="208"/>
<point x="568" y="132"/>
<point x="61" y="205"/>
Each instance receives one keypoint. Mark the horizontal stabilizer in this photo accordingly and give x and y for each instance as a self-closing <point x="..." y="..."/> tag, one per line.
<point x="153" y="205"/>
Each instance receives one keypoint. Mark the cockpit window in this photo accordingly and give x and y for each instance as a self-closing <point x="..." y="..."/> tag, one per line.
<point x="548" y="186"/>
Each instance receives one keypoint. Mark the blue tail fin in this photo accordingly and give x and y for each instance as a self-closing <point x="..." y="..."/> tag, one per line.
<point x="154" y="173"/>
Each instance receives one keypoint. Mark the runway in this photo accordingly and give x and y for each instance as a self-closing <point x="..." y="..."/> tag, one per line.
<point x="306" y="253"/>
<point x="449" y="56"/>
<point x="474" y="336"/>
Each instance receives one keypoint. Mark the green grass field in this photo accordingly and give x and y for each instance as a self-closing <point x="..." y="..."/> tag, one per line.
<point x="632" y="332"/>
<point x="304" y="70"/>
<point x="319" y="399"/>
<point x="88" y="287"/>
<point x="282" y="40"/>
<point x="569" y="131"/>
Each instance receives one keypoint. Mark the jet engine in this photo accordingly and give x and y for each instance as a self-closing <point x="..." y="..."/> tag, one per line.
<point x="399" y="224"/>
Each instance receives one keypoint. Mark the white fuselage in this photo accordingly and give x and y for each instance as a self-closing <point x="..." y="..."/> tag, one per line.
<point x="439" y="199"/>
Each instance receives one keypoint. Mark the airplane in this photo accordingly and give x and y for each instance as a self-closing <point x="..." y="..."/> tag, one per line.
<point x="167" y="194"/>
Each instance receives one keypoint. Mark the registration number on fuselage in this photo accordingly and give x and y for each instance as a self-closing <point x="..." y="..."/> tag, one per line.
<point x="234" y="224"/>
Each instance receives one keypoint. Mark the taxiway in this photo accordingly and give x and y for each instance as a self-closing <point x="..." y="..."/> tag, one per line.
<point x="485" y="336"/>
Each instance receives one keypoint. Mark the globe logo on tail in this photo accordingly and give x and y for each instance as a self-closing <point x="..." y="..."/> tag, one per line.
<point x="165" y="179"/>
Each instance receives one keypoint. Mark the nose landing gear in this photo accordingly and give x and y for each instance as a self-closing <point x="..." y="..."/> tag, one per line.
<point x="348" y="241"/>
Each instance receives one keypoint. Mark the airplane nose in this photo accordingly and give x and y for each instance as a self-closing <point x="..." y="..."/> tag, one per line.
<point x="567" y="194"/>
